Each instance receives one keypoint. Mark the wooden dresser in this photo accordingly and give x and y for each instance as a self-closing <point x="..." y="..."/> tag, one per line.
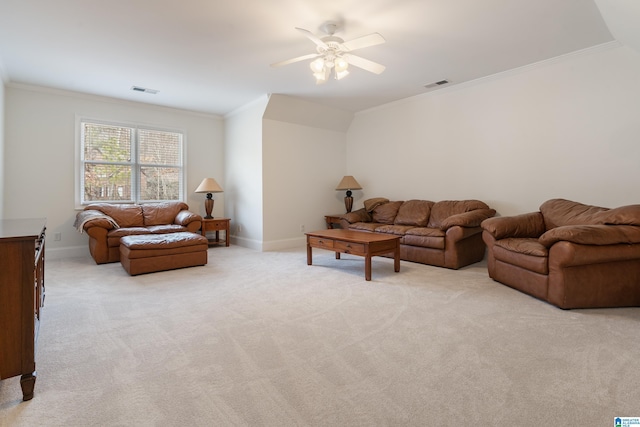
<point x="21" y="297"/>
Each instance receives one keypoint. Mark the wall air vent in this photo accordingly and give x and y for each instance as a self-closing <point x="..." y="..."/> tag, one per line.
<point x="144" y="89"/>
<point x="436" y="84"/>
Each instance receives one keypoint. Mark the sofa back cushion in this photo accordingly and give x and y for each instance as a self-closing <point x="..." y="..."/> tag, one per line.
<point x="386" y="212"/>
<point x="414" y="212"/>
<point x="559" y="212"/>
<point x="371" y="204"/>
<point x="446" y="208"/>
<point x="162" y="213"/>
<point x="624" y="215"/>
<point x="123" y="215"/>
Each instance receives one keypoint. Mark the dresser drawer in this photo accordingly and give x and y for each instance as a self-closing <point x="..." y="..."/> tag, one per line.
<point x="319" y="242"/>
<point x="349" y="248"/>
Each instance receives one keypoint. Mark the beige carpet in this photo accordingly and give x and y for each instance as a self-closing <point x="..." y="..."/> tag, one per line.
<point x="262" y="339"/>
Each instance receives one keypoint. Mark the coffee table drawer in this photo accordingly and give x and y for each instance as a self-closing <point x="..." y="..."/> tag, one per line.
<point x="348" y="247"/>
<point x="319" y="242"/>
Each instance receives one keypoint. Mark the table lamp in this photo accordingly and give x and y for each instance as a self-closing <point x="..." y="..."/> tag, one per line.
<point x="209" y="186"/>
<point x="348" y="183"/>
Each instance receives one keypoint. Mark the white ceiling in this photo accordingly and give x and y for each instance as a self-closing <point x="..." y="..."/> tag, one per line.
<point x="213" y="56"/>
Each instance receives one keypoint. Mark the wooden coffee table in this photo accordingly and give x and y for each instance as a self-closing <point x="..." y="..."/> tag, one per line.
<point x="353" y="242"/>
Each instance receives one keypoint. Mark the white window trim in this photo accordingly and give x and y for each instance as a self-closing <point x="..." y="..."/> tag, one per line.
<point x="79" y="170"/>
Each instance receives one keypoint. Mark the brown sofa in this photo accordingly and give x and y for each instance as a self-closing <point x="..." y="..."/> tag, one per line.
<point x="444" y="234"/>
<point x="568" y="254"/>
<point x="106" y="223"/>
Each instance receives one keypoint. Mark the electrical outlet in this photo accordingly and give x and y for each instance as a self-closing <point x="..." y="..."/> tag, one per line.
<point x="57" y="236"/>
<point x="239" y="228"/>
<point x="302" y="228"/>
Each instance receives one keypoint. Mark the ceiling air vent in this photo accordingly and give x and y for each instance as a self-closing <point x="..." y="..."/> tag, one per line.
<point x="143" y="89"/>
<point x="436" y="84"/>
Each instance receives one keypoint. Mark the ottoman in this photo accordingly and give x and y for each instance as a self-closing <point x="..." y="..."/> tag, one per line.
<point x="149" y="253"/>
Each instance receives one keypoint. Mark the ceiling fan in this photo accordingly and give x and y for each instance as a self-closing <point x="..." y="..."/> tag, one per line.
<point x="333" y="53"/>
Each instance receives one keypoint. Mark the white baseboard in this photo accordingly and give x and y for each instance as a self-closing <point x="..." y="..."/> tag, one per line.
<point x="277" y="245"/>
<point x="269" y="246"/>
<point x="246" y="243"/>
<point x="67" y="252"/>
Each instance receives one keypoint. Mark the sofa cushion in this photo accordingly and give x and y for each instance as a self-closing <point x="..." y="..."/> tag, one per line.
<point x="467" y="219"/>
<point x="364" y="226"/>
<point x="446" y="208"/>
<point x="386" y="213"/>
<point x="399" y="230"/>
<point x="414" y="212"/>
<point x="162" y="213"/>
<point x="361" y="215"/>
<point x="537" y="264"/>
<point x="624" y="215"/>
<point x="126" y="215"/>
<point x="559" y="212"/>
<point x="528" y="246"/>
<point x="166" y="228"/>
<point x="424" y="237"/>
<point x="598" y="234"/>
<point x="371" y="204"/>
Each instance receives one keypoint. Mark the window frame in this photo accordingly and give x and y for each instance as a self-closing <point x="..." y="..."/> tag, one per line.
<point x="135" y="164"/>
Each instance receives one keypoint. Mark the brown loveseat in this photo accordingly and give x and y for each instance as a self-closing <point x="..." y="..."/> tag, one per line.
<point x="444" y="234"/>
<point x="568" y="254"/>
<point x="106" y="223"/>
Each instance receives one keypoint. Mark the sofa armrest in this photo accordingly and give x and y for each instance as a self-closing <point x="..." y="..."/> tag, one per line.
<point x="457" y="233"/>
<point x="568" y="254"/>
<point x="467" y="219"/>
<point x="361" y="215"/>
<point x="186" y="217"/>
<point x="524" y="225"/>
<point x="599" y="235"/>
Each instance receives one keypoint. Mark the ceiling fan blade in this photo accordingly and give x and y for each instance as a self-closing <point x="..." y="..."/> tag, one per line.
<point x="365" y="64"/>
<point x="292" y="60"/>
<point x="317" y="40"/>
<point x="364" y="41"/>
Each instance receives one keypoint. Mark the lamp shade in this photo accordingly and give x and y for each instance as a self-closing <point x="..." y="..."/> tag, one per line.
<point x="349" y="183"/>
<point x="209" y="185"/>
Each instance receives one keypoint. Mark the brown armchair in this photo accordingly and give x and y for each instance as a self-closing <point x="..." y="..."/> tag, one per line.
<point x="568" y="254"/>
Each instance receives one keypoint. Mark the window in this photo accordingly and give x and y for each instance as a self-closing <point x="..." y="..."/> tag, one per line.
<point x="129" y="164"/>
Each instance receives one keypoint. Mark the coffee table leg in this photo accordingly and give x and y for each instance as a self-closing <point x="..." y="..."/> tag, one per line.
<point x="308" y="254"/>
<point x="367" y="267"/>
<point x="337" y="255"/>
<point x="396" y="259"/>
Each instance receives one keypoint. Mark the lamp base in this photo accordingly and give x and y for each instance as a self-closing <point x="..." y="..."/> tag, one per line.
<point x="348" y="203"/>
<point x="208" y="206"/>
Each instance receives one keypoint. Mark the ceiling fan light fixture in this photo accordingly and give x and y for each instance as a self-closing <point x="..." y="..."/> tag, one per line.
<point x="322" y="76"/>
<point x="333" y="52"/>
<point x="317" y="66"/>
<point x="341" y="64"/>
<point x="340" y="74"/>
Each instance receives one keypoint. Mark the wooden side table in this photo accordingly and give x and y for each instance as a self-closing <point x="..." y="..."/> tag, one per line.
<point x="216" y="224"/>
<point x="333" y="221"/>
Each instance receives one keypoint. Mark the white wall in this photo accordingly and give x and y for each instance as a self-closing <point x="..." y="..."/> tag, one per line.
<point x="564" y="128"/>
<point x="40" y="153"/>
<point x="243" y="162"/>
<point x="301" y="167"/>
<point x="304" y="149"/>
<point x="284" y="157"/>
